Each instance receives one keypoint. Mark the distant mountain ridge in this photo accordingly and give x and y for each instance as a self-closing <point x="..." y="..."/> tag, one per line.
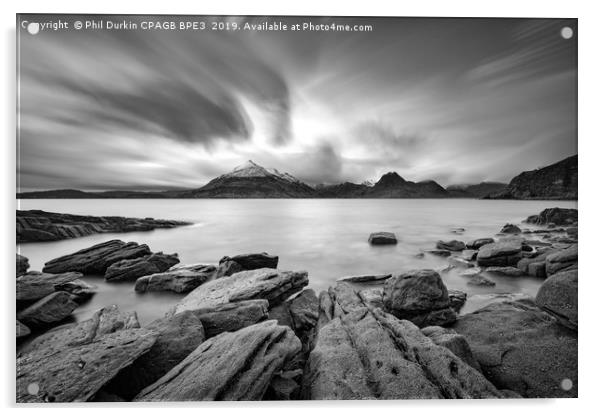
<point x="556" y="181"/>
<point x="250" y="180"/>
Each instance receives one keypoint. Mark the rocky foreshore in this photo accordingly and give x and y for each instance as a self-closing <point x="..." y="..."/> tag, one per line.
<point x="246" y="330"/>
<point x="35" y="225"/>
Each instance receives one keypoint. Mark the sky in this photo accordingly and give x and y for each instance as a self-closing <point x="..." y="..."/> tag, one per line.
<point x="453" y="100"/>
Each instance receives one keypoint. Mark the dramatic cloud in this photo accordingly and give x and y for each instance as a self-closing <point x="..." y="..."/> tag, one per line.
<point x="455" y="100"/>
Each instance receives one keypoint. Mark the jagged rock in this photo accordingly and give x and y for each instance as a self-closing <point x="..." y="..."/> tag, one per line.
<point x="38" y="225"/>
<point x="98" y="258"/>
<point x="177" y="337"/>
<point x="454" y="342"/>
<point x="478" y="243"/>
<point x="419" y="296"/>
<point x="440" y="253"/>
<point x="522" y="348"/>
<point x="557" y="216"/>
<point x="231" y="366"/>
<point x="22" y="265"/>
<point x="372" y="297"/>
<point x="77" y="371"/>
<point x="364" y="353"/>
<point x="505" y="271"/>
<point x="35" y="285"/>
<point x="79" y="290"/>
<point x="510" y="229"/>
<point x="104" y="321"/>
<point x="536" y="266"/>
<point x="561" y="260"/>
<point x="506" y="252"/>
<point x="382" y="237"/>
<point x="22" y="330"/>
<point x="558" y="296"/>
<point x="132" y="269"/>
<point x="230" y="265"/>
<point x="48" y="310"/>
<point x="230" y="317"/>
<point x="457" y="299"/>
<point x="364" y="278"/>
<point x="452" y="245"/>
<point x="177" y="279"/>
<point x="270" y="284"/>
<point x="478" y="280"/>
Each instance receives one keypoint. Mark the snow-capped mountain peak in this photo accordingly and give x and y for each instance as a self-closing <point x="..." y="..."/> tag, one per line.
<point x="250" y="169"/>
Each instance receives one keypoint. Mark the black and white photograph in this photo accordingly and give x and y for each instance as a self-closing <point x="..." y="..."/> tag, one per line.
<point x="295" y="208"/>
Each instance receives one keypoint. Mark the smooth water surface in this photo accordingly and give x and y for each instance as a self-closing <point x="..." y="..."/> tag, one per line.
<point x="328" y="238"/>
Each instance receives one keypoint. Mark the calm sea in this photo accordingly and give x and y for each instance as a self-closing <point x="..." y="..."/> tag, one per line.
<point x="328" y="238"/>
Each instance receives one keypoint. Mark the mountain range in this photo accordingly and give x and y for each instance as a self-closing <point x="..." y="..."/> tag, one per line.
<point x="250" y="180"/>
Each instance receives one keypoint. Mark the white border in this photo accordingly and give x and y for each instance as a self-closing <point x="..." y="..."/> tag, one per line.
<point x="590" y="93"/>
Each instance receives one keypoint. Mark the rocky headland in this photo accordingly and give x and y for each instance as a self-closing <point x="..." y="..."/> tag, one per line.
<point x="245" y="330"/>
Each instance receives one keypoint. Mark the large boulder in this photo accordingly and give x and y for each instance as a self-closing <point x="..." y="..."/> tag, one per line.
<point x="564" y="259"/>
<point x="231" y="366"/>
<point x="506" y="252"/>
<point x="522" y="348"/>
<point x="33" y="286"/>
<point x="270" y="284"/>
<point x="78" y="369"/>
<point x="177" y="337"/>
<point x="419" y="296"/>
<point x="453" y="341"/>
<point x="48" y="310"/>
<point x="98" y="258"/>
<point x="478" y="243"/>
<point x="22" y="265"/>
<point x="510" y="229"/>
<point x="558" y="295"/>
<point x="558" y="216"/>
<point x="230" y="265"/>
<point x="230" y="317"/>
<point x="382" y="238"/>
<point x="364" y="353"/>
<point x="181" y="279"/>
<point x="451" y="245"/>
<point x="132" y="269"/>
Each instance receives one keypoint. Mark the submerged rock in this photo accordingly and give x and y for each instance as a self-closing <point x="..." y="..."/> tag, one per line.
<point x="231" y="366"/>
<point x="98" y="258"/>
<point x="478" y="243"/>
<point x="506" y="252"/>
<point x="22" y="265"/>
<point x="36" y="285"/>
<point x="452" y="245"/>
<point x="181" y="279"/>
<point x="522" y="348"/>
<point x="419" y="296"/>
<point x="132" y="269"/>
<point x="479" y="280"/>
<point x="558" y="296"/>
<point x="48" y="310"/>
<point x="230" y="265"/>
<point x="382" y="238"/>
<point x="365" y="353"/>
<point x="440" y="253"/>
<point x="270" y="284"/>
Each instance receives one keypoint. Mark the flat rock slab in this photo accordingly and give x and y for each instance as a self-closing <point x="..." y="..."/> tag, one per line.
<point x="364" y="278"/>
<point x="48" y="310"/>
<point x="522" y="348"/>
<point x="230" y="317"/>
<point x="382" y="238"/>
<point x="132" y="269"/>
<point x="562" y="260"/>
<point x="36" y="285"/>
<point x="505" y="252"/>
<point x="179" y="280"/>
<point x="232" y="366"/>
<point x="505" y="271"/>
<point x="77" y="372"/>
<point x="365" y="353"/>
<point x="96" y="259"/>
<point x="559" y="295"/>
<point x="270" y="284"/>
